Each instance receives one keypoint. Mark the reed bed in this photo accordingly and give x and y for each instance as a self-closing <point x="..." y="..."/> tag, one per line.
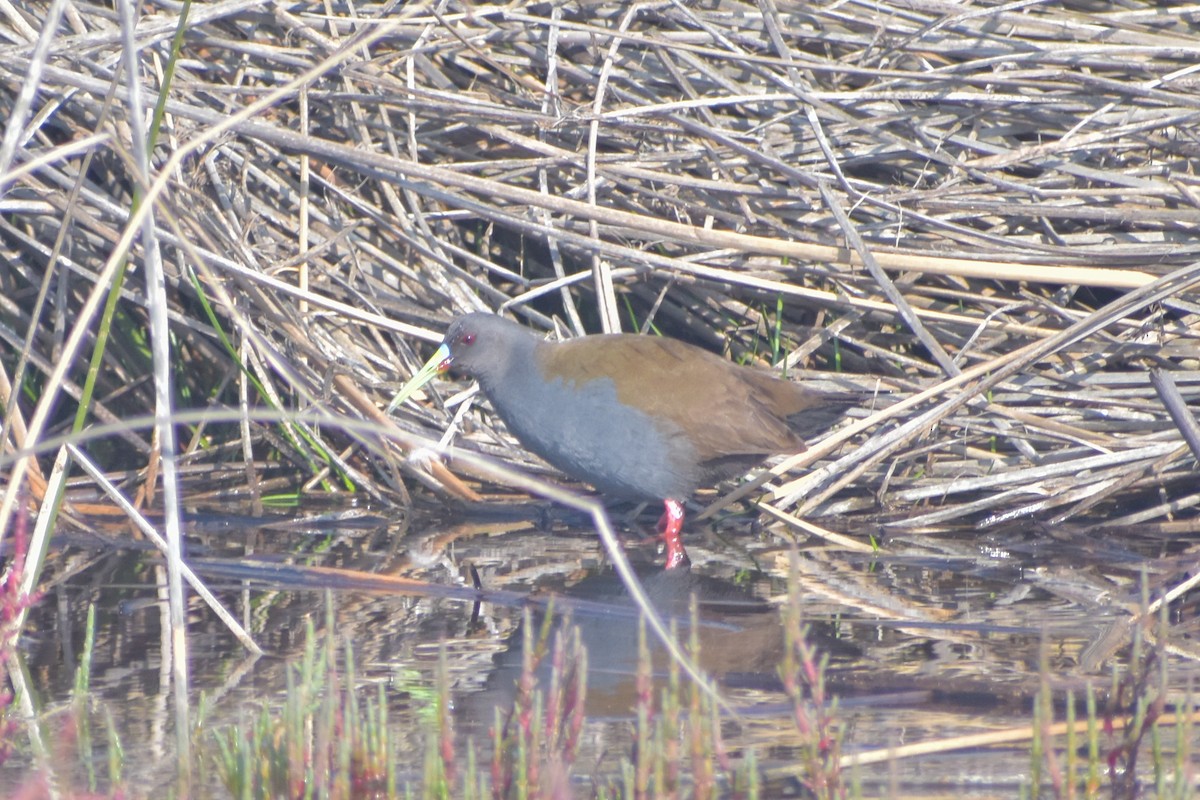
<point x="989" y="215"/>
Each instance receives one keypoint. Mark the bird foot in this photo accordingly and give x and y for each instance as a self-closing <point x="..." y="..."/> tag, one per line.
<point x="670" y="525"/>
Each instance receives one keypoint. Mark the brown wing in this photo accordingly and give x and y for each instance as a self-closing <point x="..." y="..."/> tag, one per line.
<point x="727" y="410"/>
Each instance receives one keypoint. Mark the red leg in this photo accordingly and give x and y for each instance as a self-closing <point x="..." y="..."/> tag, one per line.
<point x="670" y="525"/>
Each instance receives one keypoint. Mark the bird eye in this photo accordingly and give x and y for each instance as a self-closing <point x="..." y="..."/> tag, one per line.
<point x="467" y="338"/>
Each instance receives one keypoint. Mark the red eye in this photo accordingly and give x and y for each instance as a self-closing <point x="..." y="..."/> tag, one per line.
<point x="467" y="338"/>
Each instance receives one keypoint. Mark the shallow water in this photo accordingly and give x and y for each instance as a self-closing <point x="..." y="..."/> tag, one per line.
<point x="930" y="637"/>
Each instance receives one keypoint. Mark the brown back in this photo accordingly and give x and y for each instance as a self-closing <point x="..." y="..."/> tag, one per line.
<point x="725" y="409"/>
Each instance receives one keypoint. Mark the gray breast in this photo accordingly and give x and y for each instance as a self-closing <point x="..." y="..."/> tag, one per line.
<point x="585" y="432"/>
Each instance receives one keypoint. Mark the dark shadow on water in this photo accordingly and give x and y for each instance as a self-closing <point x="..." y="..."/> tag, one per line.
<point x="739" y="637"/>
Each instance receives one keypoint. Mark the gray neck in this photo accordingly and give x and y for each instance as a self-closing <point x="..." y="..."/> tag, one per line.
<point x="516" y="361"/>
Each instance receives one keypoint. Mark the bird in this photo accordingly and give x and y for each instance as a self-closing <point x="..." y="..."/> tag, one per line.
<point x="639" y="417"/>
